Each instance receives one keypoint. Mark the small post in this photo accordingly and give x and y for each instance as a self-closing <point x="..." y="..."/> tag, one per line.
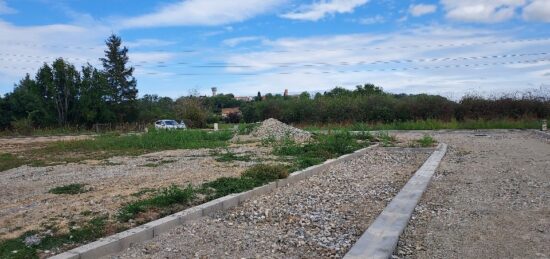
<point x="215" y="126"/>
<point x="544" y="125"/>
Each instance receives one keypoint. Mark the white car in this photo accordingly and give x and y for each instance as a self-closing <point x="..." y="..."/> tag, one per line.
<point x="169" y="124"/>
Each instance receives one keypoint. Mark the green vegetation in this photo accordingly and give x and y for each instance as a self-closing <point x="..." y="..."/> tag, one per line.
<point x="323" y="148"/>
<point x="164" y="199"/>
<point x="426" y="141"/>
<point x="385" y="139"/>
<point x="255" y="176"/>
<point x="17" y="249"/>
<point x="9" y="161"/>
<point x="246" y="128"/>
<point x="75" y="188"/>
<point x="432" y="124"/>
<point x="109" y="145"/>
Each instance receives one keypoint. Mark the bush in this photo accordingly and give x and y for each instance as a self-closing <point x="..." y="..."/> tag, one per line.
<point x="22" y="126"/>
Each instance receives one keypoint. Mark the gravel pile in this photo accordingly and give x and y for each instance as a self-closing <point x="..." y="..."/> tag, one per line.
<point x="320" y="217"/>
<point x="272" y="128"/>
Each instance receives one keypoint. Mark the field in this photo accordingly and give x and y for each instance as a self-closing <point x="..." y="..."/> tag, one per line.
<point x="52" y="188"/>
<point x="58" y="193"/>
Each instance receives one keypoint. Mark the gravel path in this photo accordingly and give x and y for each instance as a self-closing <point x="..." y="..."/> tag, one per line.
<point x="490" y="198"/>
<point x="320" y="217"/>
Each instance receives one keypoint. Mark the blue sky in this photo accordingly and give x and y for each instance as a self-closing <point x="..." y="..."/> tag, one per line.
<point x="448" y="47"/>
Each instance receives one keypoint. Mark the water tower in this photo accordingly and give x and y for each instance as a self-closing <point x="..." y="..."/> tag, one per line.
<point x="214" y="91"/>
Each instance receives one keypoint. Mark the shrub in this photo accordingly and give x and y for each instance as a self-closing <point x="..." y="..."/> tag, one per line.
<point x="22" y="126"/>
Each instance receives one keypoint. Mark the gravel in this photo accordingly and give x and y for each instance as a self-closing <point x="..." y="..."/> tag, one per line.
<point x="490" y="198"/>
<point x="272" y="128"/>
<point x="320" y="217"/>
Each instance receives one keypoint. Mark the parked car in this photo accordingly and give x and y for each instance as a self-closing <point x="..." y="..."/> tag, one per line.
<point x="169" y="124"/>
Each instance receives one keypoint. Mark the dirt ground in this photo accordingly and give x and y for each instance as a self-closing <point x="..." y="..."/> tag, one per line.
<point x="490" y="198"/>
<point x="9" y="145"/>
<point x="25" y="203"/>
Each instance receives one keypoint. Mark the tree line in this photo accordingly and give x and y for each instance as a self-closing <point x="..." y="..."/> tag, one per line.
<point x="61" y="95"/>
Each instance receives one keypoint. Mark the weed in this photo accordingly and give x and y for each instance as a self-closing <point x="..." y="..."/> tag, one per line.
<point x="245" y="129"/>
<point x="165" y="198"/>
<point x="426" y="141"/>
<point x="16" y="248"/>
<point x="386" y="139"/>
<point x="315" y="152"/>
<point x="255" y="176"/>
<point x="229" y="156"/>
<point x="72" y="189"/>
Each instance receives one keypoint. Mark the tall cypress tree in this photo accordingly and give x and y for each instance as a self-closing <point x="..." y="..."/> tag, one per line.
<point x="120" y="78"/>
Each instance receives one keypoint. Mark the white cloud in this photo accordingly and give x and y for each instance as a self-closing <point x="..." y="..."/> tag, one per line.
<point x="314" y="64"/>
<point x="5" y="9"/>
<point x="422" y="9"/>
<point x="28" y="47"/>
<point x="372" y="20"/>
<point x="318" y="10"/>
<point x="202" y="12"/>
<point x="482" y="11"/>
<point x="538" y="10"/>
<point x="239" y="40"/>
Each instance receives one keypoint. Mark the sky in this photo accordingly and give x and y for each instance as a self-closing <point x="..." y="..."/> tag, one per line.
<point x="178" y="47"/>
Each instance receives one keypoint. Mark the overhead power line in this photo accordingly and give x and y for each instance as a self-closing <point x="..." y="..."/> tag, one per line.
<point x="240" y="49"/>
<point x="305" y="64"/>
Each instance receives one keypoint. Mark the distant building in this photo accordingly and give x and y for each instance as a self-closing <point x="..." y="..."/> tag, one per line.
<point x="227" y="111"/>
<point x="243" y="98"/>
<point x="214" y="91"/>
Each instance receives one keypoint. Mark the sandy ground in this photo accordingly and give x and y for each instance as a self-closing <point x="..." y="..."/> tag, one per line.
<point x="490" y="198"/>
<point x="25" y="203"/>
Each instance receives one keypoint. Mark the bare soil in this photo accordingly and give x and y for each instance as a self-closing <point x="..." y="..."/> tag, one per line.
<point x="25" y="203"/>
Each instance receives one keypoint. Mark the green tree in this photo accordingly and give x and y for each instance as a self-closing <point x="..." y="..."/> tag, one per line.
<point x="65" y="90"/>
<point x="123" y="86"/>
<point x="93" y="105"/>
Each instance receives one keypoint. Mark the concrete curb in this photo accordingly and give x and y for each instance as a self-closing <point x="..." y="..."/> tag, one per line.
<point x="121" y="241"/>
<point x="380" y="239"/>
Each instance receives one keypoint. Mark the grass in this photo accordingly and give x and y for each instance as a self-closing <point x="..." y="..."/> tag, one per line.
<point x="9" y="161"/>
<point x="385" y="139"/>
<point x="325" y="147"/>
<point x="92" y="230"/>
<point x="72" y="189"/>
<point x="433" y="125"/>
<point x="165" y="198"/>
<point x="63" y="131"/>
<point x="109" y="145"/>
<point x="255" y="176"/>
<point x="426" y="141"/>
